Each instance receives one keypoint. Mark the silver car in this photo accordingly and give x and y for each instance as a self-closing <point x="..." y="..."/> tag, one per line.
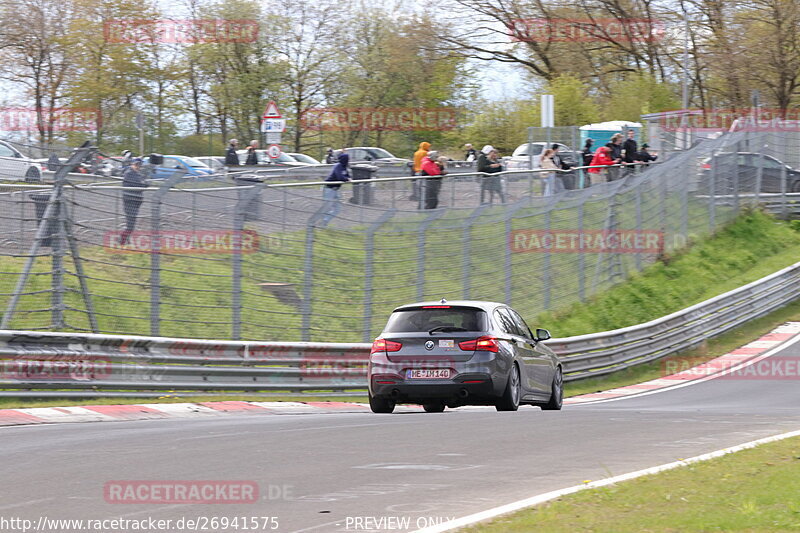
<point x="448" y="354"/>
<point x="16" y="167"/>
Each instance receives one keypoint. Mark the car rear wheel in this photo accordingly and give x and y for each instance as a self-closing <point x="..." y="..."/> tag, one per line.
<point x="510" y="399"/>
<point x="433" y="407"/>
<point x="381" y="405"/>
<point x="556" y="393"/>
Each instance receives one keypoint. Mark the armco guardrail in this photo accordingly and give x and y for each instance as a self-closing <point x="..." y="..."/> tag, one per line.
<point x="70" y="364"/>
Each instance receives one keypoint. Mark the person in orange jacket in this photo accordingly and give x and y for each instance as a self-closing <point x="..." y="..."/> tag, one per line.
<point x="424" y="148"/>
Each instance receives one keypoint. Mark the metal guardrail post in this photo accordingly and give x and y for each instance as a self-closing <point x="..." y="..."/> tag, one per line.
<point x="369" y="271"/>
<point x="155" y="252"/>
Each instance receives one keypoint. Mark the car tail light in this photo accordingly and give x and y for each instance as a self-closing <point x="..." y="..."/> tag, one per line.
<point x="382" y="345"/>
<point x="481" y="344"/>
<point x="436" y="307"/>
<point x="706" y="166"/>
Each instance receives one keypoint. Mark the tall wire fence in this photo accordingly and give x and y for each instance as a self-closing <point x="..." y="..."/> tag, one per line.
<point x="254" y="256"/>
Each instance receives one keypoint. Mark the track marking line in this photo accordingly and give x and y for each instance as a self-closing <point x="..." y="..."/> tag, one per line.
<point x="547" y="496"/>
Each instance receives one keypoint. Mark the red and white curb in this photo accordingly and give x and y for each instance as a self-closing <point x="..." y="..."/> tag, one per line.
<point x="715" y="367"/>
<point x="151" y="411"/>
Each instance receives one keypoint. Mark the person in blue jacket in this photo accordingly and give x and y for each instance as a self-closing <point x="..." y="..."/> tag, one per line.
<point x="330" y="191"/>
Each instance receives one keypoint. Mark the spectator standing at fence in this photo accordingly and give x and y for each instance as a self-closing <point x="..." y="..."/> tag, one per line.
<point x="432" y="165"/>
<point x="231" y="159"/>
<point x="132" y="199"/>
<point x="424" y="147"/>
<point x="489" y="163"/>
<point x="252" y="156"/>
<point x="551" y="180"/>
<point x="330" y="191"/>
<point x="588" y="152"/>
<point x="630" y="149"/>
<point x="602" y="157"/>
<point x="471" y="154"/>
<point x="330" y="157"/>
<point x="615" y="152"/>
<point x="644" y="156"/>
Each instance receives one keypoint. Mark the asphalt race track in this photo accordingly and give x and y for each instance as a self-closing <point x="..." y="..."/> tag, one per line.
<point x="347" y="472"/>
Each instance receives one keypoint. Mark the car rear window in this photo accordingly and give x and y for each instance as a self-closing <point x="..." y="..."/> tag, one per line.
<point x="427" y="318"/>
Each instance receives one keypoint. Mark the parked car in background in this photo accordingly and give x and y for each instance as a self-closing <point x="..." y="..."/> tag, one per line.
<point x="16" y="167"/>
<point x="283" y="160"/>
<point x="215" y="163"/>
<point x="744" y="166"/>
<point x="303" y="158"/>
<point x="173" y="163"/>
<point x="520" y="158"/>
<point x="447" y="354"/>
<point x="373" y="154"/>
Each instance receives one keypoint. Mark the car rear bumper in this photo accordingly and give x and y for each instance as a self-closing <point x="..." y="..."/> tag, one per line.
<point x="464" y="387"/>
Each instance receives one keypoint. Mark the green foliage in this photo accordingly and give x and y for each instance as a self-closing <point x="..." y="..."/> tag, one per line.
<point x="573" y="104"/>
<point x="635" y="95"/>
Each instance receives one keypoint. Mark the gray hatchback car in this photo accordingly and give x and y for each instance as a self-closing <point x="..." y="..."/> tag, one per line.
<point x="448" y="354"/>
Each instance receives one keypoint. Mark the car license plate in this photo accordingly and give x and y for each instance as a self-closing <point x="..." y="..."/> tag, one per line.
<point x="428" y="373"/>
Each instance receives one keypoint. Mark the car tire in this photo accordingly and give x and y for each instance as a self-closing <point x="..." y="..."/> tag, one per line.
<point x="381" y="405"/>
<point x="433" y="407"/>
<point x="511" y="395"/>
<point x="556" y="393"/>
<point x="33" y="175"/>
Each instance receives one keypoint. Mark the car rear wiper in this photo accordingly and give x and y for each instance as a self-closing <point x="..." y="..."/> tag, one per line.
<point x="446" y="328"/>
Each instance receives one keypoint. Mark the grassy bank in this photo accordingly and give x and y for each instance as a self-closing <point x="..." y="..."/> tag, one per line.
<point x="754" y="246"/>
<point x="751" y="490"/>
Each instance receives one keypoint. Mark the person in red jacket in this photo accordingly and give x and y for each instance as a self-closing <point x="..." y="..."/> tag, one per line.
<point x="601" y="157"/>
<point x="430" y="167"/>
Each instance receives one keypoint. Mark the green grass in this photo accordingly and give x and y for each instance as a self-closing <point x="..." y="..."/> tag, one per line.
<point x="753" y="490"/>
<point x="754" y="246"/>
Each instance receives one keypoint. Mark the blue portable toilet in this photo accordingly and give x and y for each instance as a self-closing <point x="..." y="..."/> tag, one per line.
<point x="601" y="132"/>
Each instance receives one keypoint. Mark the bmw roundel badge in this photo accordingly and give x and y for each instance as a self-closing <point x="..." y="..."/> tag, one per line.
<point x="429" y="345"/>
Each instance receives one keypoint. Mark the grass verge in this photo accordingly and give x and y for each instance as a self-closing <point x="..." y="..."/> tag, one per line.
<point x="751" y="490"/>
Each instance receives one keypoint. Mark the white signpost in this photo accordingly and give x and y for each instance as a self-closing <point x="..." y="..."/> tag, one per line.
<point x="272" y="125"/>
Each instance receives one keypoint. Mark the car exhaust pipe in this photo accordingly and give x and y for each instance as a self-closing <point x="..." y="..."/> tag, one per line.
<point x="463" y="393"/>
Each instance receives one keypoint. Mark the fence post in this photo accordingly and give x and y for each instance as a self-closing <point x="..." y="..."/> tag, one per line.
<point x="784" y="206"/>
<point x="155" y="252"/>
<point x="58" y="257"/>
<point x="507" y="263"/>
<point x="78" y="155"/>
<point x="712" y="192"/>
<point x="421" y="239"/>
<point x="369" y="271"/>
<point x="639" y="228"/>
<point x="581" y="255"/>
<point x="466" y="250"/>
<point x="546" y="274"/>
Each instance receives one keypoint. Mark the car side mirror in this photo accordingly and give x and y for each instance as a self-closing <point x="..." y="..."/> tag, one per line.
<point x="542" y="334"/>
